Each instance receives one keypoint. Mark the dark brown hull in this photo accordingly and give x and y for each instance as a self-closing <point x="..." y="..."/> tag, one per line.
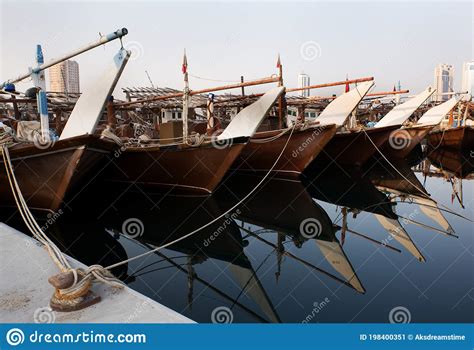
<point x="354" y="148"/>
<point x="303" y="147"/>
<point x="461" y="164"/>
<point x="460" y="138"/>
<point x="47" y="176"/>
<point x="402" y="141"/>
<point x="177" y="167"/>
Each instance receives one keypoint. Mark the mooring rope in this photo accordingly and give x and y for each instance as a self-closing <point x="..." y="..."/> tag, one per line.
<point x="83" y="278"/>
<point x="271" y="138"/>
<point x="300" y="126"/>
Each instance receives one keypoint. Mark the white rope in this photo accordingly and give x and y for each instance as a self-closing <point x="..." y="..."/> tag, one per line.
<point x="271" y="138"/>
<point x="96" y="272"/>
<point x="212" y="221"/>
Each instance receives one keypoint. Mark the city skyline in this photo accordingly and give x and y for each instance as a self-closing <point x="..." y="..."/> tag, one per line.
<point x="223" y="46"/>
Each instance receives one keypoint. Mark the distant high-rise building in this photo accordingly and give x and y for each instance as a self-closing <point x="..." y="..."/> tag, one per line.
<point x="64" y="77"/>
<point x="443" y="81"/>
<point x="468" y="77"/>
<point x="303" y="81"/>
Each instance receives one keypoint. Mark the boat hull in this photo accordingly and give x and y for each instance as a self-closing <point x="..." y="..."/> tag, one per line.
<point x="402" y="141"/>
<point x="460" y="138"/>
<point x="302" y="148"/>
<point x="176" y="167"/>
<point x="354" y="148"/>
<point x="48" y="176"/>
<point x="461" y="164"/>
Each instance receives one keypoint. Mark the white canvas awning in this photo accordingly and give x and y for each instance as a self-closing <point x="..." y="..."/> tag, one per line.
<point x="339" y="110"/>
<point x="89" y="107"/>
<point x="247" y="121"/>
<point x="402" y="112"/>
<point x="435" y="115"/>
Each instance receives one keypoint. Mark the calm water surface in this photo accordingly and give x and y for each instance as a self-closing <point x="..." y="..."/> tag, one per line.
<point x="342" y="245"/>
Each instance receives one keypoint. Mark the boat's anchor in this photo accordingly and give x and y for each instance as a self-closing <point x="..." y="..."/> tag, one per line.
<point x="67" y="302"/>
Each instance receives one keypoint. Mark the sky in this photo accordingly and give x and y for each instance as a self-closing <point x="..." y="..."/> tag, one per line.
<point x="391" y="41"/>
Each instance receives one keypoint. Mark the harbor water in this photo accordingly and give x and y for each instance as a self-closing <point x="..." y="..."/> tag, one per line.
<point x="341" y="245"/>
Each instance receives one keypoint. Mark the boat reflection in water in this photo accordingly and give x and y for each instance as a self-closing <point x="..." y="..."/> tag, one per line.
<point x="265" y="259"/>
<point x="221" y="245"/>
<point x="403" y="185"/>
<point x="293" y="215"/>
<point x="354" y="192"/>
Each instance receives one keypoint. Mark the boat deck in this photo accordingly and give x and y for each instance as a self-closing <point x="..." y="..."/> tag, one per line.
<point x="25" y="269"/>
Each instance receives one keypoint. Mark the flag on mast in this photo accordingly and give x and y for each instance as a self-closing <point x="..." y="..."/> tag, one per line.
<point x="278" y="61"/>
<point x="184" y="68"/>
<point x="347" y="84"/>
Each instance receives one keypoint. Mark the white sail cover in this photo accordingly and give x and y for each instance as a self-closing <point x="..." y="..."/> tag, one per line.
<point x="435" y="115"/>
<point x="334" y="254"/>
<point x="252" y="287"/>
<point x="431" y="210"/>
<point x="89" y="107"/>
<point x="339" y="110"/>
<point x="398" y="232"/>
<point x="399" y="114"/>
<point x="247" y="121"/>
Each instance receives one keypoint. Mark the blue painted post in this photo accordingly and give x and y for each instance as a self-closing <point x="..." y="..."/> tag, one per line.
<point x="41" y="98"/>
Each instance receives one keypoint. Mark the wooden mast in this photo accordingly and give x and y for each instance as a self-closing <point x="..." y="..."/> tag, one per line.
<point x="281" y="98"/>
<point x="185" y="98"/>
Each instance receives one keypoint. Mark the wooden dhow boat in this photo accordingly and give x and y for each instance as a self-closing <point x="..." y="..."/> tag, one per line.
<point x="402" y="141"/>
<point x="187" y="167"/>
<point x="459" y="138"/>
<point x="350" y="147"/>
<point x="49" y="171"/>
<point x="303" y="145"/>
<point x="457" y="163"/>
<point x="308" y="140"/>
